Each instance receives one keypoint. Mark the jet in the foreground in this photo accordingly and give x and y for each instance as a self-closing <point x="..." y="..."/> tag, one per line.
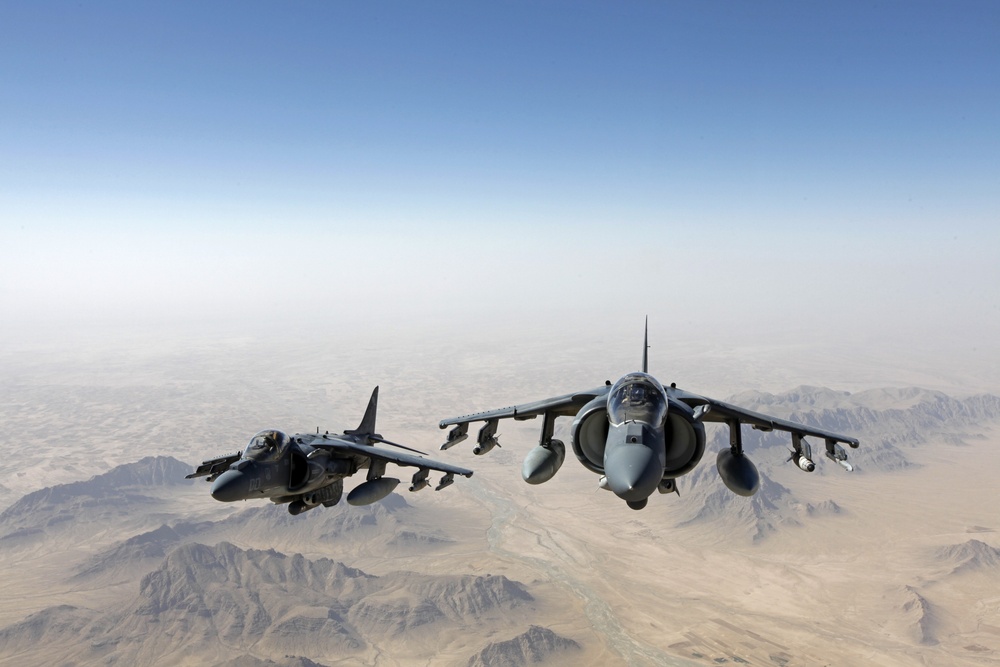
<point x="640" y="437"/>
<point x="307" y="470"/>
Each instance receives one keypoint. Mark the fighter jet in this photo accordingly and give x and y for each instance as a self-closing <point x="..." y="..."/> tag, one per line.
<point x="640" y="436"/>
<point x="307" y="470"/>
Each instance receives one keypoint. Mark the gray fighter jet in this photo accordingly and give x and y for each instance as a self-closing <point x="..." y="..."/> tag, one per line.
<point x="640" y="437"/>
<point x="307" y="470"/>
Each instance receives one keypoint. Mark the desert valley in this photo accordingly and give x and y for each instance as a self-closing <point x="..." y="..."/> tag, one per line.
<point x="111" y="557"/>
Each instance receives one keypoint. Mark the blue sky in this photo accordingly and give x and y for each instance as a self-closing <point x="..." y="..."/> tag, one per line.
<point x="210" y="160"/>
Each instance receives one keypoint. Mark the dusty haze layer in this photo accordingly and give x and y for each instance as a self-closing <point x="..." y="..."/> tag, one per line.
<point x="109" y="555"/>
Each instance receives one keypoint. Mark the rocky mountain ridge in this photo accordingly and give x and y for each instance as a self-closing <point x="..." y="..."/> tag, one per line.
<point x="275" y="603"/>
<point x="535" y="646"/>
<point x="123" y="491"/>
<point x="970" y="556"/>
<point x="887" y="421"/>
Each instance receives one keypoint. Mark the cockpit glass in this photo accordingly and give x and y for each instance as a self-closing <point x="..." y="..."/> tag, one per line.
<point x="637" y="397"/>
<point x="266" y="446"/>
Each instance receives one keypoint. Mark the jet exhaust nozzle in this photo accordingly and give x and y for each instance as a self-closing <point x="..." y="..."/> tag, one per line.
<point x="738" y="473"/>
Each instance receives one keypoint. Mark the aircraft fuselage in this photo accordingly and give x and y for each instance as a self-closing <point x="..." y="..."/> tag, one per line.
<point x="301" y="470"/>
<point x="307" y="470"/>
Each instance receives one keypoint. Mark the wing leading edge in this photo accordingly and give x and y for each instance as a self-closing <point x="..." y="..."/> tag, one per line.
<point x="557" y="406"/>
<point x="722" y="412"/>
<point x="399" y="458"/>
<point x="561" y="406"/>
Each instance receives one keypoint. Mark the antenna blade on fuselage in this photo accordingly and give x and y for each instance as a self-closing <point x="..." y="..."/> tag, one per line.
<point x="645" y="347"/>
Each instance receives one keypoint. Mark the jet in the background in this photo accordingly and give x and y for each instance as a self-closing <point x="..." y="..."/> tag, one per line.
<point x="307" y="470"/>
<point x="640" y="437"/>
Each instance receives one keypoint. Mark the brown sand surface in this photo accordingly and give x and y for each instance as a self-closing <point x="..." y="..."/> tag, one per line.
<point x="900" y="573"/>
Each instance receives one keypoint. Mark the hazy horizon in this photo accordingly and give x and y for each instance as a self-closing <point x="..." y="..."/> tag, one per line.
<point x="757" y="175"/>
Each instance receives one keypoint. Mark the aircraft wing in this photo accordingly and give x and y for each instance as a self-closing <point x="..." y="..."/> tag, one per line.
<point x="720" y="411"/>
<point x="399" y="458"/>
<point x="560" y="406"/>
<point x="215" y="466"/>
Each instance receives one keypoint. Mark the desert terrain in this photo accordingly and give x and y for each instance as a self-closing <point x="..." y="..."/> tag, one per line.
<point x="109" y="556"/>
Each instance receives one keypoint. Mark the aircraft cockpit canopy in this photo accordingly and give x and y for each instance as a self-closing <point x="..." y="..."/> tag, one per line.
<point x="637" y="397"/>
<point x="267" y="446"/>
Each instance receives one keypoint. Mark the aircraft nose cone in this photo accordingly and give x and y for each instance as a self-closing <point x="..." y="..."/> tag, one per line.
<point x="633" y="471"/>
<point x="229" y="486"/>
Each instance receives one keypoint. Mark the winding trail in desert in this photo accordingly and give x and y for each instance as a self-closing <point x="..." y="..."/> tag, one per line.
<point x="600" y="614"/>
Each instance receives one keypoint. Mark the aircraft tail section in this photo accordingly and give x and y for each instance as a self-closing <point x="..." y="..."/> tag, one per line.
<point x="367" y="425"/>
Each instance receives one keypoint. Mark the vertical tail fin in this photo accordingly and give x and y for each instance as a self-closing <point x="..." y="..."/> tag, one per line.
<point x="367" y="425"/>
<point x="645" y="347"/>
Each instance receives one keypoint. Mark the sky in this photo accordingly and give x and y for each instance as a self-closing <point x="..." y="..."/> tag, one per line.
<point x="758" y="169"/>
